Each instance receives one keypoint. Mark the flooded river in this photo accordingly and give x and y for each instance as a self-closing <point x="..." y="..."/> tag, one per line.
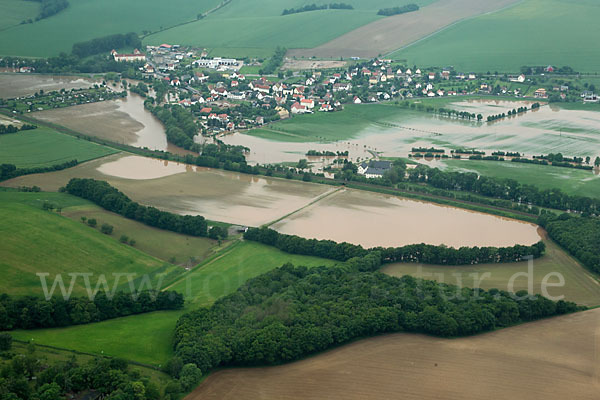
<point x="372" y="219"/>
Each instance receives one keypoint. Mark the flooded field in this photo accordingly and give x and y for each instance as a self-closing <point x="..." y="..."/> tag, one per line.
<point x="123" y="121"/>
<point x="372" y="219"/>
<point x="17" y="85"/>
<point x="551" y="359"/>
<point x="215" y="194"/>
<point x="546" y="130"/>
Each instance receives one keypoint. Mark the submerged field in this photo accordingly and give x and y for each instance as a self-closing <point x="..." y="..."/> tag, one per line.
<point x="551" y="359"/>
<point x="372" y="219"/>
<point x="569" y="180"/>
<point x="217" y="195"/>
<point x="147" y="338"/>
<point x="393" y="131"/>
<point x="18" y="85"/>
<point x="517" y="36"/>
<point x="43" y="147"/>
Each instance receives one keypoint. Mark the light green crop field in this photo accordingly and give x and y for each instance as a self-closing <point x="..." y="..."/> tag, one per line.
<point x="223" y="274"/>
<point x="258" y="24"/>
<point x="534" y="32"/>
<point x="37" y="241"/>
<point x="147" y="338"/>
<point x="15" y="11"/>
<point x="329" y="127"/>
<point x="579" y="285"/>
<point x="44" y="147"/>
<point x="569" y="180"/>
<point x="88" y="19"/>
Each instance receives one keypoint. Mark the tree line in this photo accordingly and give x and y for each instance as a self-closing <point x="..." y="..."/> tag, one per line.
<point x="8" y="171"/>
<point x="507" y="189"/>
<point x="48" y="8"/>
<point x="33" y="312"/>
<point x="111" y="199"/>
<point x="180" y="126"/>
<point x="398" y="10"/>
<point x="274" y="62"/>
<point x="30" y="376"/>
<point x="13" y="129"/>
<point x="291" y="312"/>
<point x="106" y="43"/>
<point x="415" y="253"/>
<point x="579" y="235"/>
<point x="314" y="7"/>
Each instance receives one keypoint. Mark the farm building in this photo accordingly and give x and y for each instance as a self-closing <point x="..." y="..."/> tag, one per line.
<point x="136" y="56"/>
<point x="374" y="169"/>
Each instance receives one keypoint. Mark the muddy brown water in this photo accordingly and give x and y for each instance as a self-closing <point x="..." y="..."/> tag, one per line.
<point x="17" y="85"/>
<point x="547" y="130"/>
<point x="123" y="120"/>
<point x="372" y="219"/>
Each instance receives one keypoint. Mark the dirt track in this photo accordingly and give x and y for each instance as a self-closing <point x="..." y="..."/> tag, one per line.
<point x="391" y="33"/>
<point x="549" y="359"/>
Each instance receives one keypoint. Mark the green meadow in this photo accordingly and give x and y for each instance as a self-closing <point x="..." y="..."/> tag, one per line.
<point x="38" y="241"/>
<point x="43" y="147"/>
<point x="258" y="25"/>
<point x="16" y="11"/>
<point x="147" y="338"/>
<point x="533" y="32"/>
<point x="88" y="19"/>
<point x="569" y="180"/>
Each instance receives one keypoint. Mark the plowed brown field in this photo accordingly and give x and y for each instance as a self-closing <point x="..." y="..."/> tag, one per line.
<point x="550" y="359"/>
<point x="391" y="33"/>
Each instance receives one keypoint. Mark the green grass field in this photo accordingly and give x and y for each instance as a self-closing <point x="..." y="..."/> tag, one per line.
<point x="147" y="338"/>
<point x="38" y="241"/>
<point x="43" y="147"/>
<point x="259" y="24"/>
<point x="580" y="285"/>
<point x="15" y="11"/>
<point x="569" y="180"/>
<point x="223" y="274"/>
<point x="329" y="127"/>
<point x="534" y="32"/>
<point x="88" y="19"/>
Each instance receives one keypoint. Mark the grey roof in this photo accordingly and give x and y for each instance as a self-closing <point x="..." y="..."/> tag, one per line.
<point x="375" y="171"/>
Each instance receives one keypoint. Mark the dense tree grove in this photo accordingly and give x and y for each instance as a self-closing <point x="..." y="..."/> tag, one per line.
<point x="111" y="199"/>
<point x="33" y="312"/>
<point x="274" y="62"/>
<point x="179" y="124"/>
<point x="106" y="43"/>
<point x="70" y="63"/>
<point x="507" y="189"/>
<point x="8" y="171"/>
<point x="13" y="129"/>
<point x="30" y="377"/>
<point x="290" y="312"/>
<point x="580" y="236"/>
<point x="49" y="8"/>
<point x="421" y="253"/>
<point x="398" y="10"/>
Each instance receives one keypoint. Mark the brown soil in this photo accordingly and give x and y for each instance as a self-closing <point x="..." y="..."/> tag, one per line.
<point x="311" y="64"/>
<point x="549" y="359"/>
<point x="391" y="33"/>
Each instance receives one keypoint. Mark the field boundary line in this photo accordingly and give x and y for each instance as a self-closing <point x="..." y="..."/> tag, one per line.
<point x="450" y="26"/>
<point x="313" y="201"/>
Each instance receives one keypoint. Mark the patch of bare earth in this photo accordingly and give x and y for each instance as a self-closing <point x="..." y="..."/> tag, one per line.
<point x="391" y="33"/>
<point x="550" y="359"/>
<point x="311" y="64"/>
